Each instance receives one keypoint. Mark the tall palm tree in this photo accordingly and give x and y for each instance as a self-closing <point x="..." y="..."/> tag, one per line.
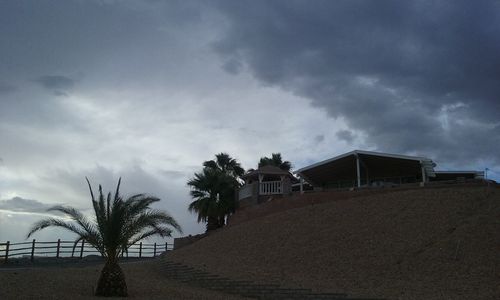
<point x="275" y="160"/>
<point x="213" y="190"/>
<point x="118" y="223"/>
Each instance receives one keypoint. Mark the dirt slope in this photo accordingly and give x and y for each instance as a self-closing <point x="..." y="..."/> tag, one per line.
<point x="415" y="244"/>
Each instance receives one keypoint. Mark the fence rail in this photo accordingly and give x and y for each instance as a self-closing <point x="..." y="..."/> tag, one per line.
<point x="61" y="248"/>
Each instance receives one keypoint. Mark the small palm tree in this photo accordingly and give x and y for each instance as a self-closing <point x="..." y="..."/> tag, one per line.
<point x="275" y="160"/>
<point x="118" y="223"/>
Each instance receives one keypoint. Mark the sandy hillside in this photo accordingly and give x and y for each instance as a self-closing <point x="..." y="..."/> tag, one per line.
<point x="440" y="243"/>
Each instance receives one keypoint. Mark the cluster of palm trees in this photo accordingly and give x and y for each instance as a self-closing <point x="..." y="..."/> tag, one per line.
<point x="119" y="223"/>
<point x="214" y="188"/>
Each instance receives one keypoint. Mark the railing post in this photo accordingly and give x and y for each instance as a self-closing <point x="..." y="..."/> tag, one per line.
<point x="166" y="246"/>
<point x="154" y="250"/>
<point x="33" y="251"/>
<point x="81" y="249"/>
<point x="6" y="252"/>
<point x="140" y="249"/>
<point x="58" y="247"/>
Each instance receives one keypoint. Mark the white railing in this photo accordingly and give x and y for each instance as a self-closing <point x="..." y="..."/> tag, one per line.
<point x="245" y="191"/>
<point x="270" y="188"/>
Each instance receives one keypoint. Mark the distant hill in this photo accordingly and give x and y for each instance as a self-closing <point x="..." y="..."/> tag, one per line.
<point x="429" y="243"/>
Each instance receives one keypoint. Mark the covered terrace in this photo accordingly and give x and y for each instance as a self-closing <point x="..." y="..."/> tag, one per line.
<point x="360" y="168"/>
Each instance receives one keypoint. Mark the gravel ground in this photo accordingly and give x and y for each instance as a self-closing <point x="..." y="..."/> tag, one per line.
<point x="417" y="244"/>
<point x="69" y="282"/>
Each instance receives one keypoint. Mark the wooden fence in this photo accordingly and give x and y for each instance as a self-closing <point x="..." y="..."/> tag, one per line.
<point x="60" y="249"/>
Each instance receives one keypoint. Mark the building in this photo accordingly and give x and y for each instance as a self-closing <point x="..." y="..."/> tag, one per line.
<point x="360" y="168"/>
<point x="264" y="182"/>
<point x="457" y="175"/>
<point x="355" y="169"/>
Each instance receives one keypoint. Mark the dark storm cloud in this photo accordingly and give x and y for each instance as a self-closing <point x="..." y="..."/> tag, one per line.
<point x="55" y="82"/>
<point x="420" y="76"/>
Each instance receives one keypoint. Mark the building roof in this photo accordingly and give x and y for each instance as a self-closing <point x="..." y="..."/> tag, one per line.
<point x="355" y="152"/>
<point x="267" y="170"/>
<point x="340" y="168"/>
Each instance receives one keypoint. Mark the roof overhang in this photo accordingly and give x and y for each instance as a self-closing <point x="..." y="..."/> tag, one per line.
<point x="355" y="152"/>
<point x="377" y="164"/>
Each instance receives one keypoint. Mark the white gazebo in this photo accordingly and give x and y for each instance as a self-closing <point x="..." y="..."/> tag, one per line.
<point x="264" y="182"/>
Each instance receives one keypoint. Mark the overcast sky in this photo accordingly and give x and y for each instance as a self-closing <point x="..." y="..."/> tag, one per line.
<point x="149" y="90"/>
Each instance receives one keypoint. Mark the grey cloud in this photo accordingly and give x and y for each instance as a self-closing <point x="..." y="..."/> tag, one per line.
<point x="388" y="68"/>
<point x="55" y="82"/>
<point x="319" y="138"/>
<point x="18" y="204"/>
<point x="6" y="88"/>
<point x="60" y="93"/>
<point x="175" y="174"/>
<point x="232" y="66"/>
<point x="345" y="135"/>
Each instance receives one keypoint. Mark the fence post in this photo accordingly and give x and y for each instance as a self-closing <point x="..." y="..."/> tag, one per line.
<point x="81" y="249"/>
<point x="6" y="252"/>
<point x="140" y="249"/>
<point x="33" y="251"/>
<point x="154" y="250"/>
<point x="58" y="247"/>
<point x="166" y="246"/>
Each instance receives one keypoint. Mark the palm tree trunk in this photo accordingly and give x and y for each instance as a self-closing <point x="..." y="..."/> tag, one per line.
<point x="112" y="281"/>
<point x="212" y="223"/>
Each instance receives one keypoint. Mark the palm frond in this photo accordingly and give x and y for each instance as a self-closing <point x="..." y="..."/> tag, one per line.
<point x="53" y="222"/>
<point x="117" y="222"/>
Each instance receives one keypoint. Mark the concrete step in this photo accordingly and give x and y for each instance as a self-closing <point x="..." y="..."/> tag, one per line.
<point x="243" y="288"/>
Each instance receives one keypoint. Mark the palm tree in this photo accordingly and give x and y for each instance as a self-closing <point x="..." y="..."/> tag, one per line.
<point x="118" y="223"/>
<point x="275" y="160"/>
<point x="213" y="190"/>
<point x="226" y="164"/>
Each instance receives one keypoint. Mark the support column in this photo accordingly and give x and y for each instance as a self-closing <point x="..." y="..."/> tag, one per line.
<point x="423" y="174"/>
<point x="261" y="178"/>
<point x="301" y="185"/>
<point x="358" y="172"/>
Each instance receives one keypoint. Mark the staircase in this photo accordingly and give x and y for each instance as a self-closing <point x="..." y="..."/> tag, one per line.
<point x="191" y="276"/>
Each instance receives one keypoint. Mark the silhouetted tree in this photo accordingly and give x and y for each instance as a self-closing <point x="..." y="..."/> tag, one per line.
<point x="214" y="190"/>
<point x="275" y="160"/>
<point x="118" y="223"/>
<point x="226" y="164"/>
